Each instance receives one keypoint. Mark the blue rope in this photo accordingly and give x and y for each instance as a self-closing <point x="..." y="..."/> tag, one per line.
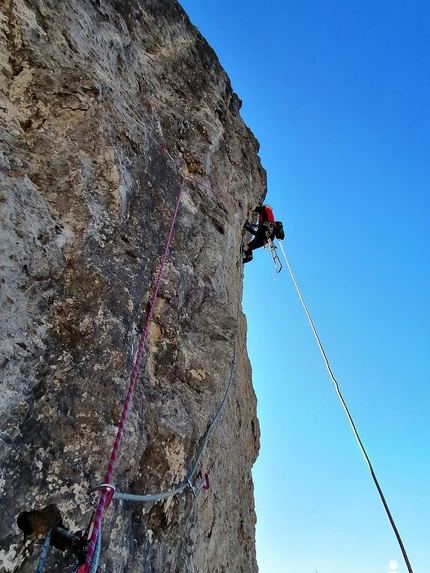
<point x="96" y="556"/>
<point x="190" y="475"/>
<point x="72" y="537"/>
<point x="44" y="553"/>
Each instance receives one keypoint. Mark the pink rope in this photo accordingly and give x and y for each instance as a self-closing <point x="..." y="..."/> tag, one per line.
<point x="102" y="503"/>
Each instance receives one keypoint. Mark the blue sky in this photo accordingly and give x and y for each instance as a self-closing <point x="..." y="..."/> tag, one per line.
<point x="338" y="95"/>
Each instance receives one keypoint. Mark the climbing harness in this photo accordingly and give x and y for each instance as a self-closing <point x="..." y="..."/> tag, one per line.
<point x="268" y="243"/>
<point x="354" y="429"/>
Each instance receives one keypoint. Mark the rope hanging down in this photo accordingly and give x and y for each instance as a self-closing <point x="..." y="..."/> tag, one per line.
<point x="351" y="421"/>
<point x="133" y="378"/>
<point x="44" y="553"/>
<point x="191" y="473"/>
<point x="187" y="481"/>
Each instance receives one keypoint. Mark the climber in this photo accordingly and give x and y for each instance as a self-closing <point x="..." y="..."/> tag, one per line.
<point x="267" y="229"/>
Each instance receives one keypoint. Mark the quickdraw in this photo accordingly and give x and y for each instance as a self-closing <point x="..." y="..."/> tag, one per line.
<point x="275" y="257"/>
<point x="204" y="484"/>
<point x="110" y="492"/>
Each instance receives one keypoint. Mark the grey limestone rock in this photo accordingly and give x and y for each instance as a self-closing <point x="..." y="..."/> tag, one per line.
<point x="90" y="91"/>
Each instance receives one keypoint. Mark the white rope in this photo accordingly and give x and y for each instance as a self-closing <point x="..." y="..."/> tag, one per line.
<point x="351" y="421"/>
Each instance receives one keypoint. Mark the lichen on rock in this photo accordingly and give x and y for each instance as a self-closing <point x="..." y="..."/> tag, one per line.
<point x="91" y="91"/>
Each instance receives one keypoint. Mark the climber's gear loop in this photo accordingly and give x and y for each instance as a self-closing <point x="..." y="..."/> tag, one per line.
<point x="275" y="257"/>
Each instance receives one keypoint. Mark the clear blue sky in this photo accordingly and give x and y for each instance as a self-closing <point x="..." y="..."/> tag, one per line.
<point x="338" y="94"/>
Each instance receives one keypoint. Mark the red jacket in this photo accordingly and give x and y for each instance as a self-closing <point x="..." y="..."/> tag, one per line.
<point x="265" y="214"/>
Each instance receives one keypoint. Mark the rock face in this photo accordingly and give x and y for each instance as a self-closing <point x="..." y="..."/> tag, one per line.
<point x="91" y="90"/>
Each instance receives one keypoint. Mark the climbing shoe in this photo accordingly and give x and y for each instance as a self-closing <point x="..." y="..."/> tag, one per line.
<point x="248" y="258"/>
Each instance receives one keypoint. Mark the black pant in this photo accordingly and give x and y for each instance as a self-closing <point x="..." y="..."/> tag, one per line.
<point x="259" y="240"/>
